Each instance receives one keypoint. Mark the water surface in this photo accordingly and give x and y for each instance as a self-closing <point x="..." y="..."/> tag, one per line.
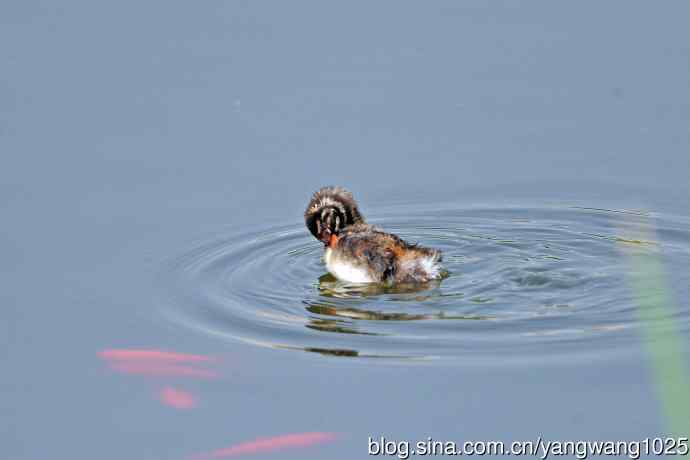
<point x="161" y="298"/>
<point x="525" y="284"/>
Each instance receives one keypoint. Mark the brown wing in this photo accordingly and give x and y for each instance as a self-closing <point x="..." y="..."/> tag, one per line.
<point x="379" y="250"/>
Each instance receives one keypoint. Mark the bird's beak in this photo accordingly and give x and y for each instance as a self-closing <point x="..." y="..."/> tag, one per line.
<point x="325" y="236"/>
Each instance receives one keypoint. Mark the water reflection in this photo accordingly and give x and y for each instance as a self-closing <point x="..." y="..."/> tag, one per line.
<point x="371" y="315"/>
<point x="329" y="286"/>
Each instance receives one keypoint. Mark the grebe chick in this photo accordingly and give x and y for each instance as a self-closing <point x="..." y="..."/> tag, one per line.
<point x="357" y="252"/>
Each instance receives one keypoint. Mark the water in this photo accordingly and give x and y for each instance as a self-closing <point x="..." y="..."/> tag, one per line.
<point x="525" y="284"/>
<point x="161" y="297"/>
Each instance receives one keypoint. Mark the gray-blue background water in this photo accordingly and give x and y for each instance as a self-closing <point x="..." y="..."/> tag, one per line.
<point x="156" y="159"/>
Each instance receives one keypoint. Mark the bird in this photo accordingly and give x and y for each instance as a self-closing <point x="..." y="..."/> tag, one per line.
<point x="357" y="252"/>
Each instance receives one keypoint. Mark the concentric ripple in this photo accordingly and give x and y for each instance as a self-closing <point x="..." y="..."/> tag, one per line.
<point x="529" y="283"/>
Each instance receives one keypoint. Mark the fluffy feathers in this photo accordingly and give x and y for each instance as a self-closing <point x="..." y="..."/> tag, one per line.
<point x="357" y="252"/>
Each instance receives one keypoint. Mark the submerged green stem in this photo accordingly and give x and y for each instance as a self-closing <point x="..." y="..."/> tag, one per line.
<point x="663" y="342"/>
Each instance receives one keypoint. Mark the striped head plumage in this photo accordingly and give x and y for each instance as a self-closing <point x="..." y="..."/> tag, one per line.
<point x="329" y="211"/>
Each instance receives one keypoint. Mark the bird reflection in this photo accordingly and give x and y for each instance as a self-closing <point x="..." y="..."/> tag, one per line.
<point x="329" y="286"/>
<point x="346" y="308"/>
<point x="343" y="318"/>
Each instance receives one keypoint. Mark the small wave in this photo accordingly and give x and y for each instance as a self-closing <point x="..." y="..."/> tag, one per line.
<point x="524" y="283"/>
